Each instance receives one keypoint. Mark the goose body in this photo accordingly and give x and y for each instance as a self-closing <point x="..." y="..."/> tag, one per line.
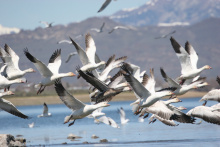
<point x="188" y="60"/>
<point x="45" y="112"/>
<point x="79" y="109"/>
<point x="88" y="58"/>
<point x="49" y="73"/>
<point x="11" y="68"/>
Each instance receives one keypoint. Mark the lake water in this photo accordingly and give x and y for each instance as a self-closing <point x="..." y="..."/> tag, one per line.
<point x="51" y="131"/>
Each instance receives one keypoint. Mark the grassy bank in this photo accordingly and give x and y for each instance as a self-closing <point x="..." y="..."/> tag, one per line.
<point x="39" y="100"/>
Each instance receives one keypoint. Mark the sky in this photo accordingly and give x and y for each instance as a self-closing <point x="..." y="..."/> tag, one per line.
<point x="26" y="14"/>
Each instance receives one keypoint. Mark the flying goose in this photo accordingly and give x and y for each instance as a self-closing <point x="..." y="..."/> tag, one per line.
<point x="47" y="24"/>
<point x="182" y="89"/>
<point x="45" y="112"/>
<point x="188" y="60"/>
<point x="108" y="121"/>
<point x="99" y="30"/>
<point x="88" y="58"/>
<point x="213" y="95"/>
<point x="9" y="107"/>
<point x="70" y="55"/>
<point x="105" y="92"/>
<point x="154" y="117"/>
<point x="165" y="36"/>
<point x="11" y="68"/>
<point x="122" y="116"/>
<point x="165" y="110"/>
<point x="49" y="73"/>
<point x="79" y="109"/>
<point x="119" y="27"/>
<point x="147" y="96"/>
<point x="208" y="114"/>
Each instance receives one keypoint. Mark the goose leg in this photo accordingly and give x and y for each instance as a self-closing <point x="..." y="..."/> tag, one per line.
<point x="146" y="115"/>
<point x="39" y="89"/>
<point x="42" y="89"/>
<point x="71" y="123"/>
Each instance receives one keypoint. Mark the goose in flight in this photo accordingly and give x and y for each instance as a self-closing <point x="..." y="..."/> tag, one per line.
<point x="69" y="42"/>
<point x="105" y="93"/>
<point x="49" y="73"/>
<point x="47" y="24"/>
<point x="31" y="125"/>
<point x="9" y="107"/>
<point x="213" y="95"/>
<point x="208" y="114"/>
<point x="99" y="30"/>
<point x="104" y="5"/>
<point x="118" y="27"/>
<point x="108" y="121"/>
<point x="88" y="58"/>
<point x="147" y="95"/>
<point x="182" y="89"/>
<point x="154" y="117"/>
<point x="122" y="116"/>
<point x="188" y="60"/>
<point x="79" y="109"/>
<point x="45" y="112"/>
<point x="11" y="68"/>
<point x="165" y="110"/>
<point x="166" y="35"/>
<point x="70" y="55"/>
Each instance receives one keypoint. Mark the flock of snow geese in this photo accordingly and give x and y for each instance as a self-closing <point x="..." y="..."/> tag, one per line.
<point x="103" y="86"/>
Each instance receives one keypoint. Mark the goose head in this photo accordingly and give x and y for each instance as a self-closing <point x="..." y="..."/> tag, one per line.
<point x="30" y="70"/>
<point x="71" y="74"/>
<point x="181" y="108"/>
<point x="102" y="104"/>
<point x="207" y="67"/>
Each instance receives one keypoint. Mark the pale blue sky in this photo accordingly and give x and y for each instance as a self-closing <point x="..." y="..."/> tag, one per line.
<point x="26" y="14"/>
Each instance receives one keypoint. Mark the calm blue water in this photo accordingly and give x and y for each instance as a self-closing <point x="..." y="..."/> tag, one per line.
<point x="52" y="131"/>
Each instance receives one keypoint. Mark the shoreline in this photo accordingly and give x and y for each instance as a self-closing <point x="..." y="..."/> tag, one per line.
<point x="129" y="96"/>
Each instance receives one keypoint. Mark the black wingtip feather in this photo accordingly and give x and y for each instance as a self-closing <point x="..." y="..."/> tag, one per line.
<point x="29" y="56"/>
<point x="59" y="88"/>
<point x="56" y="54"/>
<point x="175" y="45"/>
<point x="218" y="80"/>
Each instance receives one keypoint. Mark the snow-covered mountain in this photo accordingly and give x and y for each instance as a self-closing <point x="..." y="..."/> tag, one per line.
<point x="6" y="30"/>
<point x="169" y="12"/>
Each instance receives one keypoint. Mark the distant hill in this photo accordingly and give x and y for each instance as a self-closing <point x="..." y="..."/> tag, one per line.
<point x="139" y="45"/>
<point x="179" y="12"/>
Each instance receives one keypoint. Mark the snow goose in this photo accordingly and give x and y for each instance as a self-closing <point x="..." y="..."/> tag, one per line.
<point x="122" y="116"/>
<point x="9" y="107"/>
<point x="104" y="5"/>
<point x="79" y="109"/>
<point x="97" y="113"/>
<point x="146" y="94"/>
<point x="182" y="89"/>
<point x="165" y="35"/>
<point x="31" y="125"/>
<point x="167" y="111"/>
<point x="154" y="117"/>
<point x="111" y="64"/>
<point x="11" y="70"/>
<point x="47" y="24"/>
<point x="213" y="95"/>
<point x="99" y="30"/>
<point x="119" y="27"/>
<point x="188" y="60"/>
<point x="70" y="55"/>
<point x="50" y="72"/>
<point x="88" y="58"/>
<point x="5" y="83"/>
<point x="45" y="111"/>
<point x="105" y="92"/>
<point x="208" y="114"/>
<point x="108" y="121"/>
